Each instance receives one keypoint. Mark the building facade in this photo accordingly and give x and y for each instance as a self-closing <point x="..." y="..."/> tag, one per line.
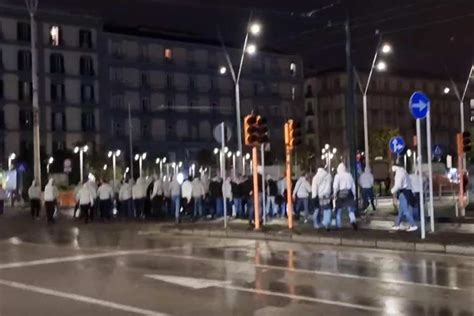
<point x="90" y="74"/>
<point x="388" y="98"/>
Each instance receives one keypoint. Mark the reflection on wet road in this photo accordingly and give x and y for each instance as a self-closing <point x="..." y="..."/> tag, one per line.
<point x="112" y="270"/>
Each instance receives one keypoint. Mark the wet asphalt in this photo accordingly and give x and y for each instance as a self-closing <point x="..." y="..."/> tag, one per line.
<point x="112" y="269"/>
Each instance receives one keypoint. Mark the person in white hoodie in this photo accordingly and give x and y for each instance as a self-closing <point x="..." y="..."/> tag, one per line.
<point x="321" y="191"/>
<point x="34" y="194"/>
<point x="227" y="195"/>
<point x="344" y="192"/>
<point x="106" y="198"/>
<point x="366" y="182"/>
<point x="401" y="191"/>
<point x="125" y="197"/>
<point x="86" y="200"/>
<point x="301" y="195"/>
<point x="139" y="194"/>
<point x="50" y="200"/>
<point x="157" y="196"/>
<point x="175" y="193"/>
<point x="187" y="196"/>
<point x="198" y="196"/>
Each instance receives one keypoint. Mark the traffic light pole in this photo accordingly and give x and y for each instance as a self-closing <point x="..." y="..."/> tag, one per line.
<point x="289" y="193"/>
<point x="256" y="204"/>
<point x="459" y="141"/>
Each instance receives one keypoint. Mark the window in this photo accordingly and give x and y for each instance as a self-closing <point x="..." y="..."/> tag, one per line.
<point x="293" y="69"/>
<point x="23" y="32"/>
<point x="145" y="79"/>
<point x="117" y="128"/>
<point x="54" y="35"/>
<point x="26" y="120"/>
<point x="192" y="83"/>
<point x="58" y="145"/>
<point x="144" y="55"/>
<point x="25" y="90"/>
<point x="117" y="50"/>
<point x="24" y="60"/>
<point x="116" y="74"/>
<point x="57" y="92"/>
<point x="86" y="66"/>
<point x="145" y="130"/>
<point x="255" y="89"/>
<point x="169" y="81"/>
<point x="88" y="122"/>
<point x="168" y="54"/>
<point x="145" y="103"/>
<point x="58" y="121"/>
<point x="169" y="103"/>
<point x="212" y="84"/>
<point x="56" y="64"/>
<point x="87" y="93"/>
<point x="309" y="91"/>
<point x="117" y="101"/>
<point x="85" y="39"/>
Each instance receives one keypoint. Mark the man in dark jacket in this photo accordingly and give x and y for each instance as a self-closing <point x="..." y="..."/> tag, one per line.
<point x="215" y="194"/>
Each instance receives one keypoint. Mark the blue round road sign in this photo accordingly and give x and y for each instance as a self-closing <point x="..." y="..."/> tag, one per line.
<point x="397" y="145"/>
<point x="419" y="105"/>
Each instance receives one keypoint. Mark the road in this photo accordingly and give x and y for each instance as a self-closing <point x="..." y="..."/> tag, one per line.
<point x="112" y="269"/>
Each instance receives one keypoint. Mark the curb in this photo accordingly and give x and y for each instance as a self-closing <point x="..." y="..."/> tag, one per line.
<point x="386" y="244"/>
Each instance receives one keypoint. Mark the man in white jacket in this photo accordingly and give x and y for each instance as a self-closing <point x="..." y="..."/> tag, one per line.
<point x="125" y="197"/>
<point x="366" y="182"/>
<point x="106" y="198"/>
<point x="344" y="192"/>
<point x="175" y="193"/>
<point x="197" y="193"/>
<point x="301" y="195"/>
<point x="86" y="200"/>
<point x="321" y="191"/>
<point x="50" y="200"/>
<point x="401" y="190"/>
<point x="34" y="194"/>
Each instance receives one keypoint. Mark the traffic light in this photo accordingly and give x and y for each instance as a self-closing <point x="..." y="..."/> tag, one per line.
<point x="294" y="134"/>
<point x="250" y="130"/>
<point x="466" y="142"/>
<point x="262" y="130"/>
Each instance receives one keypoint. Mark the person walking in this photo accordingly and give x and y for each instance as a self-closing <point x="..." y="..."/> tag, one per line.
<point x="157" y="197"/>
<point x="416" y="186"/>
<point x="197" y="193"/>
<point x="215" y="192"/>
<point x="125" y="197"/>
<point x="344" y="193"/>
<point x="281" y="199"/>
<point x="366" y="182"/>
<point x="34" y="194"/>
<point x="187" y="196"/>
<point x="92" y="185"/>
<point x="175" y="194"/>
<point x="272" y="192"/>
<point x="227" y="195"/>
<point x="106" y="198"/>
<point x="50" y="200"/>
<point x="86" y="200"/>
<point x="138" y="194"/>
<point x="401" y="191"/>
<point x="76" y="206"/>
<point x="236" y="188"/>
<point x="301" y="196"/>
<point x="167" y="197"/>
<point x="321" y="191"/>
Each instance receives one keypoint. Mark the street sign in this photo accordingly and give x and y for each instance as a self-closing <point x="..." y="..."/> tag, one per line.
<point x="397" y="145"/>
<point x="437" y="150"/>
<point x="419" y="105"/>
<point x="217" y="133"/>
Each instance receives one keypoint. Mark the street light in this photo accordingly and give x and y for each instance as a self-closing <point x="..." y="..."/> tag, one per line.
<point x="328" y="153"/>
<point x="383" y="48"/>
<point x="10" y="160"/>
<point x="81" y="150"/>
<point x="140" y="158"/>
<point x="50" y="161"/>
<point x="446" y="90"/>
<point x="114" y="155"/>
<point x="223" y="70"/>
<point x="161" y="161"/>
<point x="253" y="29"/>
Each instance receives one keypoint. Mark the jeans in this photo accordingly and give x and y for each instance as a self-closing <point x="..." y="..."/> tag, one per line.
<point x="219" y="207"/>
<point x="86" y="212"/>
<point x="327" y="215"/>
<point x="176" y="205"/>
<point x="302" y="202"/>
<point x="105" y="208"/>
<point x="368" y="196"/>
<point x="316" y="221"/>
<point x="197" y="210"/>
<point x="127" y="208"/>
<point x="271" y="205"/>
<point x="352" y="217"/>
<point x="139" y="207"/>
<point x="50" y="208"/>
<point x="238" y="207"/>
<point x="35" y="207"/>
<point x="404" y="210"/>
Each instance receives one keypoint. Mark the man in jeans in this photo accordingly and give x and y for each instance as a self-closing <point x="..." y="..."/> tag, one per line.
<point x="321" y="190"/>
<point x="175" y="192"/>
<point x="401" y="190"/>
<point x="301" y="195"/>
<point x="366" y="182"/>
<point x="344" y="193"/>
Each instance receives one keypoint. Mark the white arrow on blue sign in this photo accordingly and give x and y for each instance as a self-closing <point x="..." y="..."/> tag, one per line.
<point x="397" y="145"/>
<point x="437" y="150"/>
<point x="419" y="105"/>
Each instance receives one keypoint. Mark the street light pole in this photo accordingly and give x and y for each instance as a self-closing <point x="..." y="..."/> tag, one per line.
<point x="81" y="150"/>
<point x="114" y="155"/>
<point x="32" y="6"/>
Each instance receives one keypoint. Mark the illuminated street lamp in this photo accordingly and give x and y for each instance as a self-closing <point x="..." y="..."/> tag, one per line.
<point x="50" y="161"/>
<point x="81" y="150"/>
<point x="114" y="155"/>
<point x="140" y="158"/>
<point x="10" y="160"/>
<point x="161" y="161"/>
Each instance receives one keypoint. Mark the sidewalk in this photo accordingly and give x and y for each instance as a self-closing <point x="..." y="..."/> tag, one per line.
<point x="443" y="242"/>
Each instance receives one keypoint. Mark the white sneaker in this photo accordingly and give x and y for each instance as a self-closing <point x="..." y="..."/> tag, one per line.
<point x="412" y="228"/>
<point x="395" y="227"/>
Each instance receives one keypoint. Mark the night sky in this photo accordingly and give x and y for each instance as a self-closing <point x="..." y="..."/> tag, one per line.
<point x="429" y="36"/>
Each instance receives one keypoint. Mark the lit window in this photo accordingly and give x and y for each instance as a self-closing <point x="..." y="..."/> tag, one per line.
<point x="168" y="54"/>
<point x="54" y="35"/>
<point x="293" y="69"/>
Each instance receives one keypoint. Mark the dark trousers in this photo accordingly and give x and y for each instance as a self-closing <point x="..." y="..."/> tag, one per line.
<point x="86" y="212"/>
<point x="35" y="205"/>
<point x="157" y="205"/>
<point x="139" y="205"/>
<point x="50" y="208"/>
<point x="76" y="208"/>
<point x="2" y="206"/>
<point x="368" y="196"/>
<point x="105" y="209"/>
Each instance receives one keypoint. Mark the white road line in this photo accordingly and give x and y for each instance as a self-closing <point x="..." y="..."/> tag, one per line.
<point x="316" y="272"/>
<point x="80" y="298"/>
<point x="78" y="258"/>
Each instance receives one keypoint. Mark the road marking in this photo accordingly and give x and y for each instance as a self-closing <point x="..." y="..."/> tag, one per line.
<point x="316" y="272"/>
<point x="80" y="298"/>
<point x="204" y="283"/>
<point x="78" y="258"/>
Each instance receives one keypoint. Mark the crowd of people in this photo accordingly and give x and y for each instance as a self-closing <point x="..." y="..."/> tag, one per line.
<point x="319" y="198"/>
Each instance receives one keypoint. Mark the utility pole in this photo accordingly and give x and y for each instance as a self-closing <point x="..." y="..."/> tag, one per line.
<point x="32" y="6"/>
<point x="130" y="140"/>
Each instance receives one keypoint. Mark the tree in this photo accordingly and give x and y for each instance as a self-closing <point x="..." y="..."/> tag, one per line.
<point x="378" y="142"/>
